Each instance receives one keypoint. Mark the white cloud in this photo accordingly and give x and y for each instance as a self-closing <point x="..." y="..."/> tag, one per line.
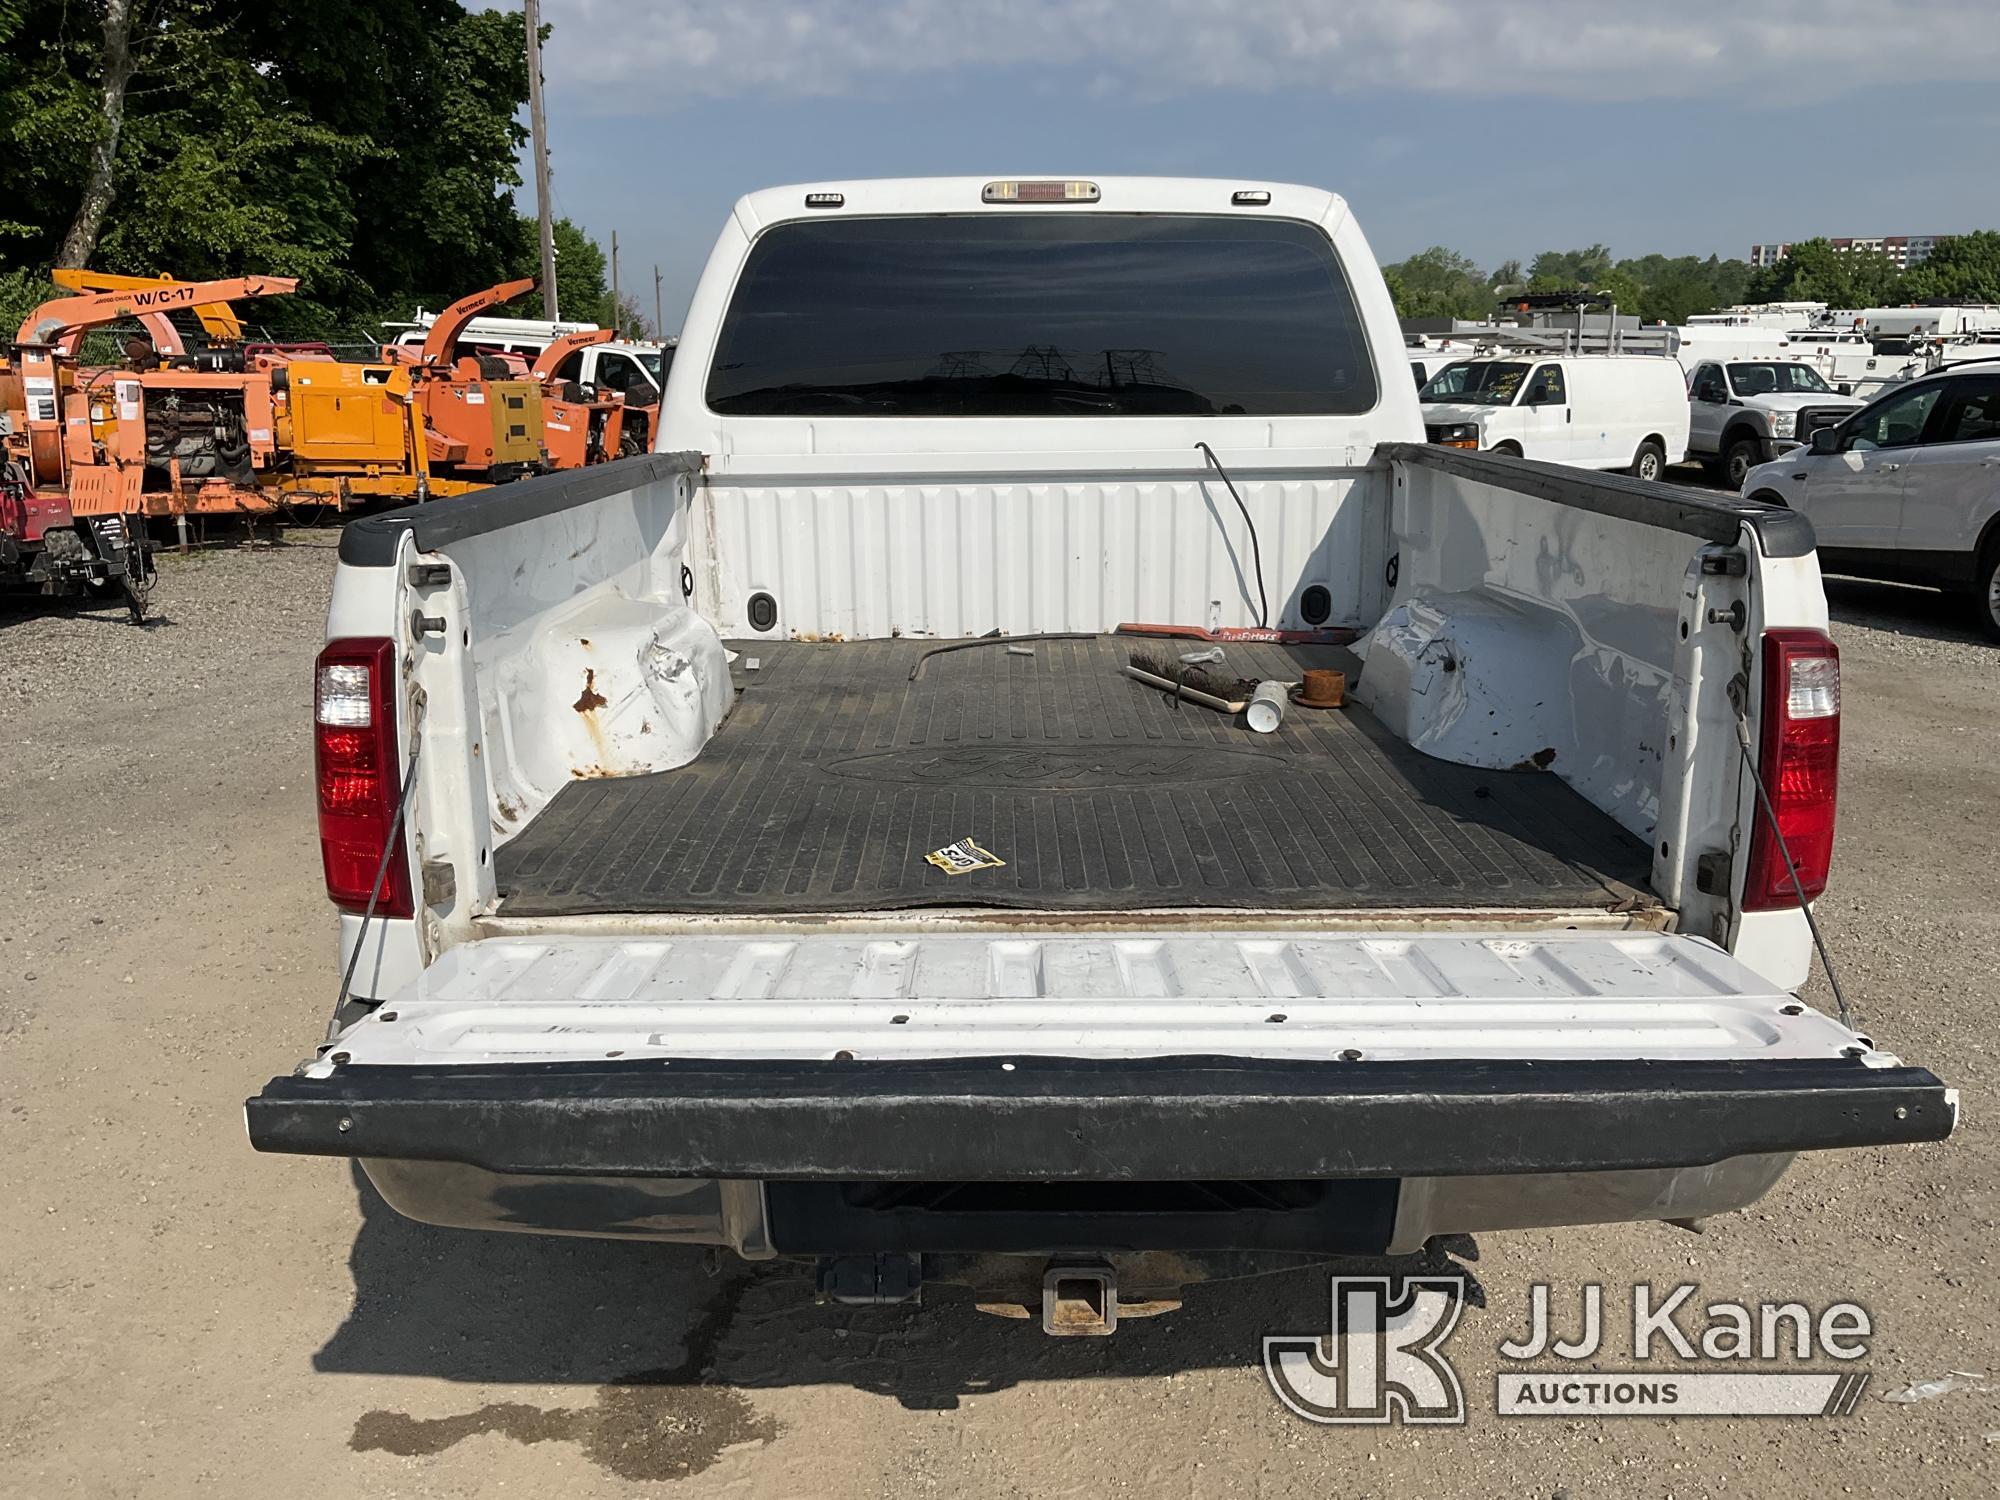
<point x="648" y="55"/>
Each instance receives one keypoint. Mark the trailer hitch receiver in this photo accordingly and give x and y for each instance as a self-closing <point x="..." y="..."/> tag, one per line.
<point x="1080" y="1300"/>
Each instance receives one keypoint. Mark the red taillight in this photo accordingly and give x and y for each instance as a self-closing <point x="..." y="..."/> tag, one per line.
<point x="359" y="775"/>
<point x="1799" y="761"/>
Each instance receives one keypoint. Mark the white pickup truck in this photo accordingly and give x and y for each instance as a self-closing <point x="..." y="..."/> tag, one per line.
<point x="760" y="843"/>
<point x="1744" y="412"/>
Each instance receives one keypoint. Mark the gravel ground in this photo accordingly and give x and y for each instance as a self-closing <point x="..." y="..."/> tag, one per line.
<point x="182" y="1316"/>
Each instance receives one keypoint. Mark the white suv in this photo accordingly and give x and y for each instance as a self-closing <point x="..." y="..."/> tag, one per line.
<point x="1908" y="488"/>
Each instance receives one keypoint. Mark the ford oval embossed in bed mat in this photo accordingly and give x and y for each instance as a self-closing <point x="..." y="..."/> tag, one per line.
<point x="835" y="776"/>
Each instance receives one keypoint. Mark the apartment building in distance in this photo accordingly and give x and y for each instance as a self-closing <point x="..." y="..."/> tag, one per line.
<point x="1905" y="250"/>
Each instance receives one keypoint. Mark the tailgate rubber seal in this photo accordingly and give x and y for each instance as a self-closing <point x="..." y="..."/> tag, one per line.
<point x="1045" y="1118"/>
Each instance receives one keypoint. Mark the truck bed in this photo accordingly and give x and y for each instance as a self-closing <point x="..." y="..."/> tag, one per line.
<point x="836" y="773"/>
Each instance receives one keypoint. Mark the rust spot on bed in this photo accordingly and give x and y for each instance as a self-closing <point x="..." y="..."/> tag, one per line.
<point x="590" y="699"/>
<point x="1541" y="760"/>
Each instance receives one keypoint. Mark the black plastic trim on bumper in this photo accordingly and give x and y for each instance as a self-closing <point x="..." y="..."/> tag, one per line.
<point x="1352" y="1217"/>
<point x="1032" y="1118"/>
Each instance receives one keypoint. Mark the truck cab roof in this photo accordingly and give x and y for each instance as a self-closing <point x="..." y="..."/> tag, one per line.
<point x="865" y="197"/>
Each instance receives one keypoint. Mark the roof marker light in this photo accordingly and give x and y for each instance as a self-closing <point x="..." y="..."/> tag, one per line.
<point x="825" y="200"/>
<point x="1039" y="192"/>
<point x="1250" y="198"/>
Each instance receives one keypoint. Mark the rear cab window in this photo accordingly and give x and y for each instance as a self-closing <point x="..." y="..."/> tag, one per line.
<point x="1042" y="315"/>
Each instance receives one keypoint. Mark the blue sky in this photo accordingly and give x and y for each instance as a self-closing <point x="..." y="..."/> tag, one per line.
<point x="1498" y="130"/>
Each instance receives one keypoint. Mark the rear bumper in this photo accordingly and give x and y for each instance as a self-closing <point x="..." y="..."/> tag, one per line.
<point x="1064" y="1119"/>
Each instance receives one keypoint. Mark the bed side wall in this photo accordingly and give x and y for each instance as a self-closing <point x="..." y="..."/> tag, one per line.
<point x="1539" y="637"/>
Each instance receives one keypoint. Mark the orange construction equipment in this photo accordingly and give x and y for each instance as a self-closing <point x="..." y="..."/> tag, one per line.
<point x="332" y="433"/>
<point x="578" y="427"/>
<point x="139" y="441"/>
<point x="79" y="449"/>
<point x="218" y="319"/>
<point x="349" y="433"/>
<point x="482" y="415"/>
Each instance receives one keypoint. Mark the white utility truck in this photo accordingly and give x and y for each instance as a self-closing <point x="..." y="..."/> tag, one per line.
<point x="1593" y="411"/>
<point x="763" y="843"/>
<point x="637" y="370"/>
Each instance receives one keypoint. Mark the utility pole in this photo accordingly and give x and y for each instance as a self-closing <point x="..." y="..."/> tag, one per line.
<point x="539" y="129"/>
<point x="616" y="307"/>
<point x="659" y="322"/>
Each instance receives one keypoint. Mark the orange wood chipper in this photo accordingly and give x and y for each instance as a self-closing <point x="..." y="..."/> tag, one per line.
<point x="90" y="452"/>
<point x="482" y="413"/>
<point x="164" y="434"/>
<point x="580" y="424"/>
<point x="340" y="433"/>
<point x="348" y="433"/>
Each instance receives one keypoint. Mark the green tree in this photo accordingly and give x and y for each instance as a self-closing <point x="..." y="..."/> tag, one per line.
<point x="436" y="91"/>
<point x="21" y="292"/>
<point x="1677" y="295"/>
<point x="365" y="146"/>
<point x="222" y="173"/>
<point x="1439" y="283"/>
<point x="581" y="293"/>
<point x="1814" y="271"/>
<point x="1673" y="288"/>
<point x="1569" y="270"/>
<point x="1656" y="288"/>
<point x="1617" y="285"/>
<point x="1964" y="268"/>
<point x="50" y="121"/>
<point x="634" y="322"/>
<point x="1399" y="291"/>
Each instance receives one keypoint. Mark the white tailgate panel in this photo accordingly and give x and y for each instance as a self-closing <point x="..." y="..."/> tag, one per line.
<point x="961" y="559"/>
<point x="1562" y="995"/>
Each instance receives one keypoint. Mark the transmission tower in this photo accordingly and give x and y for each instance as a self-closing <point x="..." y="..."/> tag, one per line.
<point x="1043" y="362"/>
<point x="1131" y="367"/>
<point x="960" y="364"/>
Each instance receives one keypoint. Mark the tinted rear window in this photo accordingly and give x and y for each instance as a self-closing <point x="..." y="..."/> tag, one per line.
<point x="1042" y="315"/>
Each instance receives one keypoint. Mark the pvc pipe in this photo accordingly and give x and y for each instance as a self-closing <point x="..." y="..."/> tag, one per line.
<point x="1267" y="706"/>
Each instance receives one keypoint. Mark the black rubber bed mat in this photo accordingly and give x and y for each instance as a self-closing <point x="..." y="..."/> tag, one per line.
<point x="836" y="775"/>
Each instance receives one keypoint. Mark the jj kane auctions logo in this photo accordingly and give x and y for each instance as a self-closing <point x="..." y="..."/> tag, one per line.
<point x="1383" y="1359"/>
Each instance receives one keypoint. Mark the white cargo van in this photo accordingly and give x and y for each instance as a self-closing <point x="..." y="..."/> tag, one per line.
<point x="1592" y="411"/>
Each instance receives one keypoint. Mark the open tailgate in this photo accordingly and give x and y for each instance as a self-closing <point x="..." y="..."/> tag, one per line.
<point x="1092" y="1057"/>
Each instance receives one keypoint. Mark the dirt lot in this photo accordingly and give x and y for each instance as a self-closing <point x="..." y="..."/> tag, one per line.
<point x="183" y="1316"/>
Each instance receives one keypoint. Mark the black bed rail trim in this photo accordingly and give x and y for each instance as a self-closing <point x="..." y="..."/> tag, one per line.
<point x="371" y="542"/>
<point x="1049" y="1118"/>
<point x="1712" y="516"/>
